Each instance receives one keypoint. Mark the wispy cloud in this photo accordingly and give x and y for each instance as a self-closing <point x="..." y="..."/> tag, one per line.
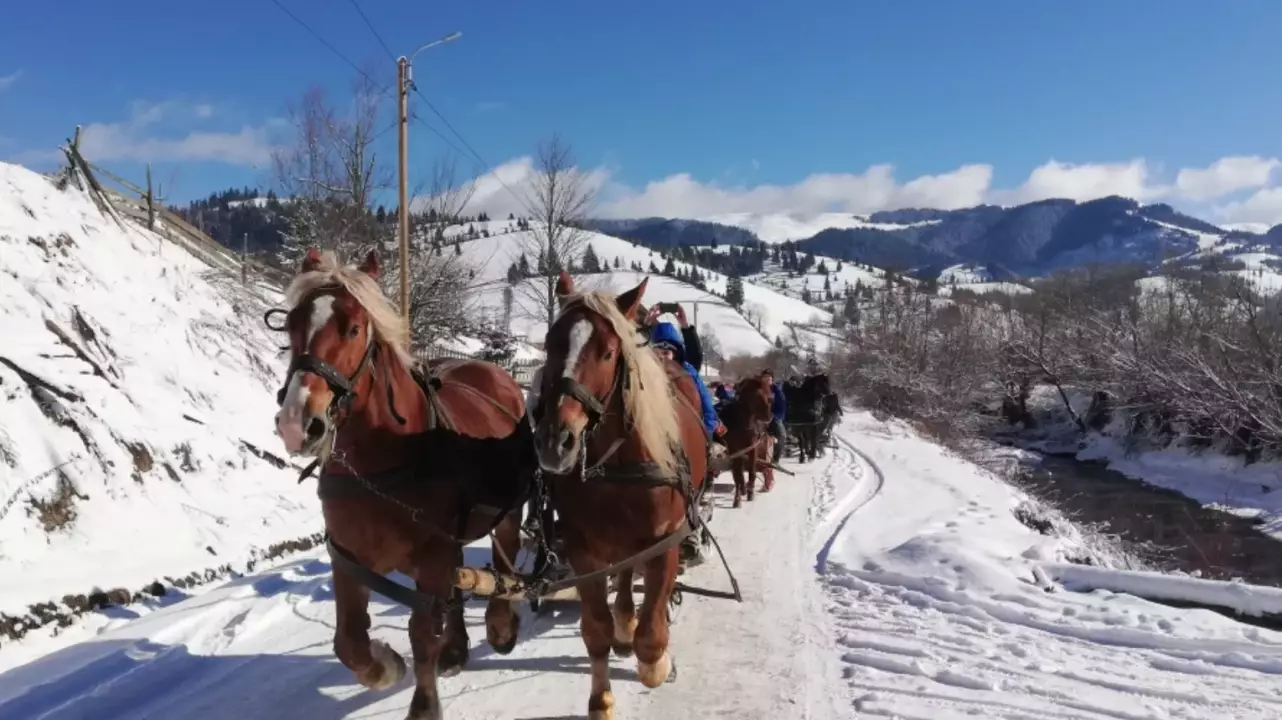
<point x="141" y="138"/>
<point x="7" y="81"/>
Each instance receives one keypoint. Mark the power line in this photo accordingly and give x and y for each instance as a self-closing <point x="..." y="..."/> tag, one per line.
<point x="387" y="91"/>
<point x="384" y="90"/>
<point x="370" y="25"/>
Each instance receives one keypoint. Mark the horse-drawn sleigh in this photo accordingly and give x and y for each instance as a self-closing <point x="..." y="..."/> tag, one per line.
<point x="417" y="460"/>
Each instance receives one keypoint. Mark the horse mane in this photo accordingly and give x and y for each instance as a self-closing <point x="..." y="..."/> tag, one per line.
<point x="648" y="399"/>
<point x="388" y="324"/>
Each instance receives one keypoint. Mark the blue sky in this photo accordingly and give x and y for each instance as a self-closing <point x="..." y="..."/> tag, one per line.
<point x="695" y="108"/>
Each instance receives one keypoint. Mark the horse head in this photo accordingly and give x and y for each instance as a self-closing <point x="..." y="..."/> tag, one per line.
<point x="337" y="320"/>
<point x="596" y="369"/>
<point x="756" y="397"/>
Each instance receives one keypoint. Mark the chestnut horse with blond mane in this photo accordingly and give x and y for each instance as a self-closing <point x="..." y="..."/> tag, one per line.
<point x="416" y="461"/>
<point x="624" y="454"/>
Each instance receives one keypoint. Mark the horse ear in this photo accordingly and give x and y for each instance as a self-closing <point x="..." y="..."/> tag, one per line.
<point x="628" y="301"/>
<point x="311" y="260"/>
<point x="370" y="266"/>
<point x="564" y="286"/>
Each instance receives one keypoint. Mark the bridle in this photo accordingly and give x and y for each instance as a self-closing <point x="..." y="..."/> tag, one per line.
<point x="342" y="388"/>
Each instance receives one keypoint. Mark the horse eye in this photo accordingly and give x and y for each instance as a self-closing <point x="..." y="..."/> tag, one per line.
<point x="609" y="354"/>
<point x="356" y="330"/>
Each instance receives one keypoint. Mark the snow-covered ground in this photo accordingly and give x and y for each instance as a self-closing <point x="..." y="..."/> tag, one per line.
<point x="136" y="398"/>
<point x="890" y="579"/>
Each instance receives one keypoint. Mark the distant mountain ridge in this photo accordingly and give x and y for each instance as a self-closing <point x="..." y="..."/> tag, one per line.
<point x="1028" y="240"/>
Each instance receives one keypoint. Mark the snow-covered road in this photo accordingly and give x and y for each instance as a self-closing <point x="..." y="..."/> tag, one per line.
<point x="260" y="646"/>
<point x="889" y="579"/>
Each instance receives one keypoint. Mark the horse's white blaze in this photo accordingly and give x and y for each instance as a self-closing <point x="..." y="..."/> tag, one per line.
<point x="580" y="334"/>
<point x="322" y="313"/>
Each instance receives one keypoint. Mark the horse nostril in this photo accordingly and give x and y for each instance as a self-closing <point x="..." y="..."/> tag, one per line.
<point x="315" y="428"/>
<point x="567" y="441"/>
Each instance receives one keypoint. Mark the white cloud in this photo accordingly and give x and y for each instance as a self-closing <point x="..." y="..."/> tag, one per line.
<point x="877" y="188"/>
<point x="506" y="190"/>
<point x="1264" y="207"/>
<point x="1224" y="176"/>
<point x="7" y="81"/>
<point x="138" y="139"/>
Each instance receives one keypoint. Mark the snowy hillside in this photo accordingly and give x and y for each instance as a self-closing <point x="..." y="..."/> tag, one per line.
<point x="136" y="403"/>
<point x="775" y="228"/>
<point x="492" y="256"/>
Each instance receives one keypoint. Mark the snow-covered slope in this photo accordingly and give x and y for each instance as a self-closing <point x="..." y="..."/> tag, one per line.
<point x="136" y="400"/>
<point x="492" y="256"/>
<point x="774" y="228"/>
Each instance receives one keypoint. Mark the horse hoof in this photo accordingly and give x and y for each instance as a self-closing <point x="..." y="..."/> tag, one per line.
<point x="505" y="646"/>
<point x="452" y="662"/>
<point x="388" y="668"/>
<point x="654" y="674"/>
<point x="738" y="502"/>
<point x="601" y="707"/>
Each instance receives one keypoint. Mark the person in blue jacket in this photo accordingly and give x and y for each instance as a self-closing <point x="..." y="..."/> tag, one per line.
<point x="666" y="339"/>
<point x="778" y="411"/>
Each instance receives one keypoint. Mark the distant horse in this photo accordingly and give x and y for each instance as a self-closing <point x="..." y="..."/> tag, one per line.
<point x="622" y="446"/>
<point x="830" y="414"/>
<point x="746" y="418"/>
<point x="804" y="413"/>
<point x="415" y="462"/>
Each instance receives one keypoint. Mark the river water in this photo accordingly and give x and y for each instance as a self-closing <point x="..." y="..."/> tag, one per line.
<point x="1165" y="528"/>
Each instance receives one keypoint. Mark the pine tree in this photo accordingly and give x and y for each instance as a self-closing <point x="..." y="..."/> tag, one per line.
<point x="669" y="268"/>
<point x="805" y="295"/>
<point x="734" y="291"/>
<point x="591" y="263"/>
<point x="827" y="286"/>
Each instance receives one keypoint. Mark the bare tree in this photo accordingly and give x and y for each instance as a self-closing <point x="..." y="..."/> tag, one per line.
<point x="559" y="199"/>
<point x="328" y="176"/>
<point x="442" y="204"/>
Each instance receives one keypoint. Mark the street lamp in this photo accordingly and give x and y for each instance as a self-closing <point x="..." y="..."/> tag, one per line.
<point x="404" y="81"/>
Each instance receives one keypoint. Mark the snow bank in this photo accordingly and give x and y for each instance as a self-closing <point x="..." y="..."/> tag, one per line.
<point x="136" y="403"/>
<point x="1252" y="600"/>
<point x="940" y="614"/>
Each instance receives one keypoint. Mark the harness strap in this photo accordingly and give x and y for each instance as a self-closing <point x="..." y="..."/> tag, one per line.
<point x="390" y="589"/>
<point x="666" y="543"/>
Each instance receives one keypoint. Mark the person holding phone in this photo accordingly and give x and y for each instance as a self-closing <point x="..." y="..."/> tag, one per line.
<point x="689" y="335"/>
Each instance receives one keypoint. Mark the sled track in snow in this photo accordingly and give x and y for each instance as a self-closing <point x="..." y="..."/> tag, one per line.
<point x="834" y="522"/>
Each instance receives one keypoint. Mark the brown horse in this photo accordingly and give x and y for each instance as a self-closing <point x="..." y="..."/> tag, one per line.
<point x="625" y="454"/>
<point x="409" y="472"/>
<point x="746" y="418"/>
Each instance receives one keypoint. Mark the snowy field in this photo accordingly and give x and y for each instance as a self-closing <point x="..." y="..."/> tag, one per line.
<point x="889" y="579"/>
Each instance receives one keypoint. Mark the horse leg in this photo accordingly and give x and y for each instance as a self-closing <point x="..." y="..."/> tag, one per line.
<point x="375" y="665"/>
<point x="736" y="471"/>
<point x="428" y="630"/>
<point x="597" y="629"/>
<point x="502" y="621"/>
<point x="762" y="457"/>
<point x="654" y="663"/>
<point x="750" y="461"/>
<point x="625" y="615"/>
<point x="454" y="655"/>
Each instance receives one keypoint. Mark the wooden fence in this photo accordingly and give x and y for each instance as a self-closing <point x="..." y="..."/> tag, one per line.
<point x="522" y="370"/>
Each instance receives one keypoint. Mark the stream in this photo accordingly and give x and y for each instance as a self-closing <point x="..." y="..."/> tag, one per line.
<point x="1165" y="528"/>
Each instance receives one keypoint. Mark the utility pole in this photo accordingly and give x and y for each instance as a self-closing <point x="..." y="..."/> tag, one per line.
<point x="403" y="213"/>
<point x="405" y="81"/>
